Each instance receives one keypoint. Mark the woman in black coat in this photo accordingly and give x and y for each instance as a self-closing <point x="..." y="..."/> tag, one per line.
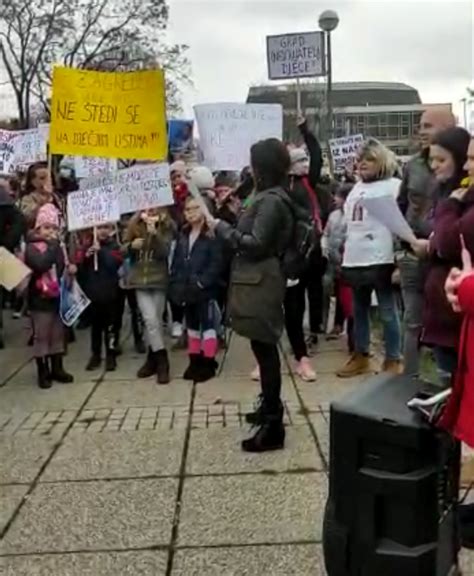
<point x="259" y="242"/>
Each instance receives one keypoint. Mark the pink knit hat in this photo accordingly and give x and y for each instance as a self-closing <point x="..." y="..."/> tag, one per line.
<point x="48" y="214"/>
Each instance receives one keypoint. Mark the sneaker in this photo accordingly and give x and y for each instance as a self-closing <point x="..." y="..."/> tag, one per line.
<point x="94" y="363"/>
<point x="305" y="370"/>
<point x="255" y="374"/>
<point x="393" y="367"/>
<point x="176" y="330"/>
<point x="17" y="315"/>
<point x="358" y="364"/>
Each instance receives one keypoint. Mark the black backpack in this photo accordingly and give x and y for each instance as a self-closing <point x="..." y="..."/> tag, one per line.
<point x="295" y="260"/>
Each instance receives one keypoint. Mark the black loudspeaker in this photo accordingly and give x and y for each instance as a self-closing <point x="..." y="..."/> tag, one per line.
<point x="393" y="486"/>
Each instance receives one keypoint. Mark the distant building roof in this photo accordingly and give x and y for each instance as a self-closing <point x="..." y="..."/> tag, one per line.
<point x="344" y="94"/>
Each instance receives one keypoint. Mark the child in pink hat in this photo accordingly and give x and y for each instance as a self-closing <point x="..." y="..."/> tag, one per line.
<point x="45" y="257"/>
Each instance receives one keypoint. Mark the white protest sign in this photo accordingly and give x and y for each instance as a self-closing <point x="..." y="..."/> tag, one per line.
<point x="227" y="131"/>
<point x="344" y="151"/>
<point x="142" y="187"/>
<point x="89" y="208"/>
<point x="299" y="55"/>
<point x="30" y="147"/>
<point x="386" y="210"/>
<point x="7" y="151"/>
<point x="87" y="166"/>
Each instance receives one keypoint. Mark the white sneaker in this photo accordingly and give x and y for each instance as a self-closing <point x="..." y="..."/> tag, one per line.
<point x="305" y="370"/>
<point x="17" y="315"/>
<point x="176" y="330"/>
<point x="255" y="374"/>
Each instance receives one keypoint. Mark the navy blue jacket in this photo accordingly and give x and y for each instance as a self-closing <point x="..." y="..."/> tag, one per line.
<point x="101" y="285"/>
<point x="196" y="274"/>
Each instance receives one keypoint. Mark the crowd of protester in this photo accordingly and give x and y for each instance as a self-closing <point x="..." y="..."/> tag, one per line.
<point x="262" y="248"/>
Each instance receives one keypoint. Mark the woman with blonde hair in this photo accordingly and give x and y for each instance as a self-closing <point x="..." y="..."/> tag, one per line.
<point x="368" y="262"/>
<point x="148" y="242"/>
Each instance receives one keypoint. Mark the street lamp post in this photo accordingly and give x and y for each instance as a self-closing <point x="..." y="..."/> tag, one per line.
<point x="328" y="21"/>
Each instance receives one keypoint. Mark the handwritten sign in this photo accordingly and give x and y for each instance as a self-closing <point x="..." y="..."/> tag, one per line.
<point x="227" y="131"/>
<point x="109" y="114"/>
<point x="89" y="208"/>
<point x="296" y="55"/>
<point x="138" y="187"/>
<point x="7" y="151"/>
<point x="87" y="166"/>
<point x="344" y="151"/>
<point x="30" y="147"/>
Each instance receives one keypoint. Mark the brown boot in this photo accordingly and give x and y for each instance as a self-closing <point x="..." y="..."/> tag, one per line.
<point x="358" y="364"/>
<point x="394" y="367"/>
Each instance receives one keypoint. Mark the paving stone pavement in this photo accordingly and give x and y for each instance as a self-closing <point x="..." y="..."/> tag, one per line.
<point x="112" y="476"/>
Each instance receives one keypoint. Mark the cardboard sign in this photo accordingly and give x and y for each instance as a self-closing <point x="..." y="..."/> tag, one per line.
<point x="344" y="151"/>
<point x="227" y="131"/>
<point x="109" y="114"/>
<point x="298" y="55"/>
<point x="30" y="147"/>
<point x="12" y="270"/>
<point x="142" y="187"/>
<point x="89" y="208"/>
<point x="88" y="166"/>
<point x="7" y="151"/>
<point x="138" y="187"/>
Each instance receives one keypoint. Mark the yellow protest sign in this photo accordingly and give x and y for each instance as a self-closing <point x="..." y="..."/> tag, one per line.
<point x="109" y="114"/>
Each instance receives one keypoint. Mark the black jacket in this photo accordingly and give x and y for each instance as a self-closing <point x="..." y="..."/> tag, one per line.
<point x="298" y="190"/>
<point x="12" y="223"/>
<point x="262" y="236"/>
<point x="196" y="273"/>
<point x="101" y="285"/>
<point x="40" y="257"/>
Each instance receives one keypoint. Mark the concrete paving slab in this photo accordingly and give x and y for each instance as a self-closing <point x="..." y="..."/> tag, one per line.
<point x="235" y="389"/>
<point x="117" y="455"/>
<point x="252" y="509"/>
<point x="301" y="560"/>
<point x="321" y="427"/>
<point x="10" y="498"/>
<point x="217" y="451"/>
<point x="86" y="564"/>
<point x="327" y="389"/>
<point x="466" y="560"/>
<point x="123" y="393"/>
<point x="69" y="517"/>
<point x="22" y="457"/>
<point x="26" y="399"/>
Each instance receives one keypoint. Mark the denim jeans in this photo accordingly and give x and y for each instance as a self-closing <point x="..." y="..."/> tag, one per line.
<point x="389" y="315"/>
<point x="412" y="282"/>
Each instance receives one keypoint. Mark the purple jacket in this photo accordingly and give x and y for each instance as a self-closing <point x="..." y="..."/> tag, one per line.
<point x="441" y="325"/>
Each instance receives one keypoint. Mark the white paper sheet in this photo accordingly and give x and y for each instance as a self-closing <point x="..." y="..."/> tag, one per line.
<point x="385" y="209"/>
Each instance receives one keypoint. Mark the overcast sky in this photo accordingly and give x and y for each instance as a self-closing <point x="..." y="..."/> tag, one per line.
<point x="425" y="43"/>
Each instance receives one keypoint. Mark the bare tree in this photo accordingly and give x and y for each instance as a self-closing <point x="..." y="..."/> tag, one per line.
<point x="26" y="30"/>
<point x="91" y="34"/>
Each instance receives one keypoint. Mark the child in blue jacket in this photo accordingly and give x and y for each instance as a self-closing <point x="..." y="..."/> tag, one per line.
<point x="196" y="276"/>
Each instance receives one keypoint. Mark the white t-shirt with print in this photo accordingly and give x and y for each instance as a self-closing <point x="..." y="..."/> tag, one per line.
<point x="368" y="242"/>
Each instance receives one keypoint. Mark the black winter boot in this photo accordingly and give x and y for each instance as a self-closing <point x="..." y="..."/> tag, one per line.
<point x="44" y="380"/>
<point x="191" y="371"/>
<point x="269" y="436"/>
<point x="149" y="368"/>
<point x="94" y="363"/>
<point x="110" y="362"/>
<point x="162" y="367"/>
<point x="257" y="417"/>
<point x="207" y="369"/>
<point x="58" y="374"/>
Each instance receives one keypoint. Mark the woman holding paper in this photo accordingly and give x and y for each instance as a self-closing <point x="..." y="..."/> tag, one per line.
<point x="368" y="261"/>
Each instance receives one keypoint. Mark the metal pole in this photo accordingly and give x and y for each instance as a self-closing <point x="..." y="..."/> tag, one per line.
<point x="298" y="97"/>
<point x="329" y="116"/>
